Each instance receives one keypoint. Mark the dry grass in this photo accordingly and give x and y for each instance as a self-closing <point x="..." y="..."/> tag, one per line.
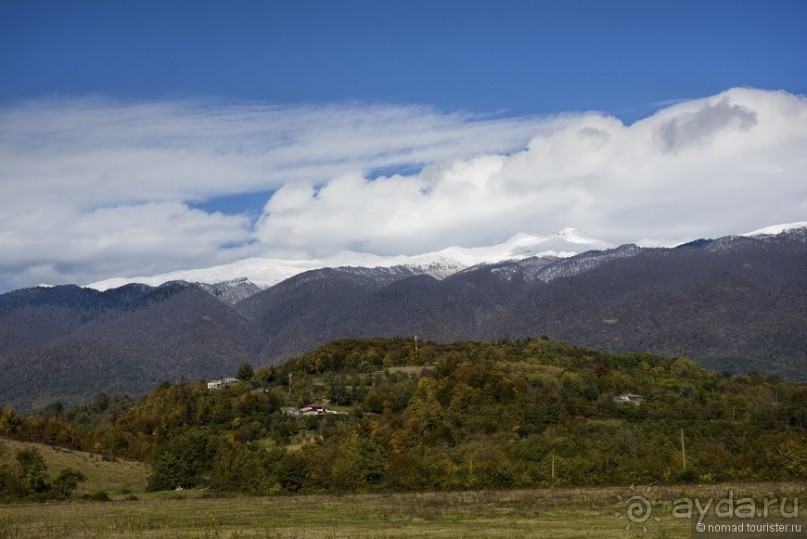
<point x="118" y="478"/>
<point x="555" y="512"/>
<point x="550" y="512"/>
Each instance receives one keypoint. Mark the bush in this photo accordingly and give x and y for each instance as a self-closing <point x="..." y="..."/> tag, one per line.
<point x="97" y="496"/>
<point x="67" y="481"/>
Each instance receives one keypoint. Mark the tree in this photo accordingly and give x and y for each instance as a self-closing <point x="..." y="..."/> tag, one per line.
<point x="33" y="472"/>
<point x="66" y="483"/>
<point x="184" y="461"/>
<point x="337" y="390"/>
<point x="10" y="485"/>
<point x="266" y="375"/>
<point x="248" y="469"/>
<point x="245" y="372"/>
<point x="10" y="422"/>
<point x="100" y="402"/>
<point x="293" y="472"/>
<point x="361" y="461"/>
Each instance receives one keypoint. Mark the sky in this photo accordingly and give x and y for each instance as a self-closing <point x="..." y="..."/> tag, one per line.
<point x="140" y="137"/>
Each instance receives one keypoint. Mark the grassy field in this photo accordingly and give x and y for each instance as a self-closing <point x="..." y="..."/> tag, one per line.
<point x="470" y="514"/>
<point x="553" y="512"/>
<point x="118" y="478"/>
<point x="562" y="512"/>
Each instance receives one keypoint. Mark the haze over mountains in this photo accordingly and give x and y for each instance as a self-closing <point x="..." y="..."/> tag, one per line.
<point x="737" y="303"/>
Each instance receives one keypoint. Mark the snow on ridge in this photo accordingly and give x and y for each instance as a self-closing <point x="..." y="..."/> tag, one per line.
<point x="776" y="229"/>
<point x="267" y="272"/>
<point x="573" y="235"/>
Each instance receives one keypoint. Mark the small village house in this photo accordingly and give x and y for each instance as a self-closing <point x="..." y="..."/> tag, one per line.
<point x="223" y="382"/>
<point x="629" y="398"/>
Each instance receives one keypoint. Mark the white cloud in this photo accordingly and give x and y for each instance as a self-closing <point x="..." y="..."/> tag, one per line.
<point x="703" y="167"/>
<point x="94" y="188"/>
<point x="89" y="187"/>
<point x="98" y="152"/>
<point x="62" y="244"/>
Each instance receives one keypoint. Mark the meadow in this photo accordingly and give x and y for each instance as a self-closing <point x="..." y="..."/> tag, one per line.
<point x="571" y="512"/>
<point x="521" y="439"/>
<point x="558" y="512"/>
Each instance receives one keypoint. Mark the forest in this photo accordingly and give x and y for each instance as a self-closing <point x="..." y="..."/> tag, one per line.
<point x="402" y="415"/>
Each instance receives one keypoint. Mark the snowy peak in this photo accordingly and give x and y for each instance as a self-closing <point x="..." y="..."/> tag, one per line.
<point x="563" y="243"/>
<point x="267" y="272"/>
<point x="776" y="229"/>
<point x="572" y="235"/>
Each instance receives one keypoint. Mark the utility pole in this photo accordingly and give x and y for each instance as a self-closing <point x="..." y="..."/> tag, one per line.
<point x="553" y="466"/>
<point x="683" y="449"/>
<point x="289" y="384"/>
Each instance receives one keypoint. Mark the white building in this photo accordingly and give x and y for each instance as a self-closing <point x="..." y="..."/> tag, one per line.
<point x="629" y="398"/>
<point x="218" y="384"/>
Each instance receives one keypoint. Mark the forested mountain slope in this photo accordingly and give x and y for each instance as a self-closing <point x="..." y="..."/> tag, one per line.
<point x="736" y="304"/>
<point x="390" y="414"/>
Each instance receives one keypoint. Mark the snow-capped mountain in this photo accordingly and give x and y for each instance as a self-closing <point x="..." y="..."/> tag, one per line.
<point x="267" y="272"/>
<point x="731" y="302"/>
<point x="776" y="229"/>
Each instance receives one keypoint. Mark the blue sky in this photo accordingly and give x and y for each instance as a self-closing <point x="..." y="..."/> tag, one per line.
<point x="147" y="136"/>
<point x="510" y="57"/>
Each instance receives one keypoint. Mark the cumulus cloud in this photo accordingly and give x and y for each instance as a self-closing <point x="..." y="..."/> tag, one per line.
<point x="698" y="126"/>
<point x="699" y="168"/>
<point x="94" y="188"/>
<point x="57" y="244"/>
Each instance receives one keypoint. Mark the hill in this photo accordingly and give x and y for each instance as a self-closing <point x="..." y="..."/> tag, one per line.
<point x="119" y="479"/>
<point x="69" y="343"/>
<point x="736" y="304"/>
<point x="380" y="414"/>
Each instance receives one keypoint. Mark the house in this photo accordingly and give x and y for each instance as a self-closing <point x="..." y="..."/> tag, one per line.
<point x="315" y="408"/>
<point x="224" y="382"/>
<point x="629" y="398"/>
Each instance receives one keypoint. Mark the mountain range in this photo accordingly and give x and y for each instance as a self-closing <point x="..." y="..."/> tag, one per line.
<point x="736" y="303"/>
<point x="253" y="274"/>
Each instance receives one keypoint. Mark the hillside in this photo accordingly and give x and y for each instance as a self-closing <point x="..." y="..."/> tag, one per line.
<point x="736" y="304"/>
<point x="119" y="479"/>
<point x="69" y="343"/>
<point x="381" y="414"/>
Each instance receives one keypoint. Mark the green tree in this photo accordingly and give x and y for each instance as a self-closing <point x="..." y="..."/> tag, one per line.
<point x="10" y="422"/>
<point x="10" y="486"/>
<point x="293" y="472"/>
<point x="362" y="460"/>
<point x="66" y="482"/>
<point x="337" y="390"/>
<point x="245" y="372"/>
<point x="33" y="472"/>
<point x="184" y="461"/>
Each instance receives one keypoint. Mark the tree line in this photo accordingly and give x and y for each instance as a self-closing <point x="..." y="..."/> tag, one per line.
<point x="523" y="413"/>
